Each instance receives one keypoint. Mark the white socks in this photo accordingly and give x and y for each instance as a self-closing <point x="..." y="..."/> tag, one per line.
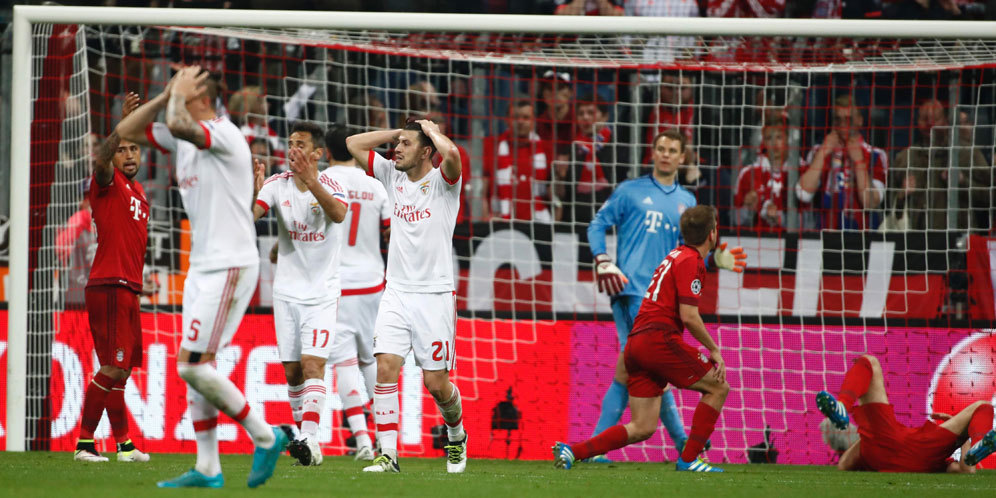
<point x="369" y="377"/>
<point x="347" y="376"/>
<point x="294" y="395"/>
<point x="312" y="404"/>
<point x="386" y="411"/>
<point x="452" y="412"/>
<point x="205" y="418"/>
<point x="220" y="392"/>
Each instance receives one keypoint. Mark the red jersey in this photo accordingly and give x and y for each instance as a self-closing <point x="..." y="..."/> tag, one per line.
<point x="663" y="118"/>
<point x="121" y="214"/>
<point x="678" y="280"/>
<point x="770" y="187"/>
<point x="520" y="169"/>
<point x="837" y="195"/>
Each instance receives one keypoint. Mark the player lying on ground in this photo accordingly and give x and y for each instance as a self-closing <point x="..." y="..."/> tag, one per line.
<point x="656" y="354"/>
<point x="418" y="311"/>
<point x="311" y="207"/>
<point x="215" y="179"/>
<point x="121" y="214"/>
<point x="646" y="212"/>
<point x="885" y="445"/>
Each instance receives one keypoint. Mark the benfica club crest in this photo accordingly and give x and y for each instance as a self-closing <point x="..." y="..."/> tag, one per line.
<point x="424" y="187"/>
<point x="315" y="208"/>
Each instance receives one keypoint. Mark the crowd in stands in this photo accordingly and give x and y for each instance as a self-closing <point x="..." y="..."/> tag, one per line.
<point x="554" y="142"/>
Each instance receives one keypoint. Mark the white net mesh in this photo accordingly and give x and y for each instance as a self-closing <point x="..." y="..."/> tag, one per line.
<point x="828" y="278"/>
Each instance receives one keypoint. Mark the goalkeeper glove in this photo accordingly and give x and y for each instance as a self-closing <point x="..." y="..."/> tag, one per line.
<point x="610" y="278"/>
<point x="732" y="259"/>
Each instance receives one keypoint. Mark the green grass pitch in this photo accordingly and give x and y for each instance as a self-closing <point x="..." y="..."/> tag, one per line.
<point x="56" y="474"/>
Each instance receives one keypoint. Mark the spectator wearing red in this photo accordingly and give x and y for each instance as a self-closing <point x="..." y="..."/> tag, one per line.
<point x="761" y="190"/>
<point x="247" y="108"/>
<point x="584" y="183"/>
<point x="745" y="8"/>
<point x="518" y="161"/>
<point x="846" y="176"/>
<point x="555" y="124"/>
<point x="588" y="8"/>
<point x="675" y="110"/>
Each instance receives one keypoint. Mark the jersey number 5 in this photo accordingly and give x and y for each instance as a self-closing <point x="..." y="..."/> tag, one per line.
<point x="195" y="330"/>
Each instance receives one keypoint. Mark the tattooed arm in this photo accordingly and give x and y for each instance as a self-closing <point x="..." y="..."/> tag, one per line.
<point x="187" y="86"/>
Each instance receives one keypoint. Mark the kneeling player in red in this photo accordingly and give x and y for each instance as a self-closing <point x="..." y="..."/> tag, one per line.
<point x="885" y="445"/>
<point x="121" y="214"/>
<point x="656" y="354"/>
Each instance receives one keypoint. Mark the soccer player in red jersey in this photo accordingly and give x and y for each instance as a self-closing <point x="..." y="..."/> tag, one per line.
<point x="121" y="214"/>
<point x="885" y="445"/>
<point x="656" y="354"/>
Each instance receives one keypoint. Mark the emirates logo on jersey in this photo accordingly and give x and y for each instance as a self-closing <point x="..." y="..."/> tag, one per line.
<point x="410" y="213"/>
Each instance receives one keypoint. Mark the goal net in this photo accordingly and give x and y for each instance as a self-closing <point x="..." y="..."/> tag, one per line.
<point x="876" y="239"/>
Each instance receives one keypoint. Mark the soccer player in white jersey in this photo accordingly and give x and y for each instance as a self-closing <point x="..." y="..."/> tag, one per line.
<point x="362" y="275"/>
<point x="418" y="311"/>
<point x="214" y="174"/>
<point x="310" y="207"/>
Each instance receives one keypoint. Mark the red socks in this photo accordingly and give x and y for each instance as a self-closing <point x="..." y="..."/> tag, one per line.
<point x="856" y="382"/>
<point x="116" y="412"/>
<point x="613" y="438"/>
<point x="981" y="422"/>
<point x="703" y="423"/>
<point x="97" y="391"/>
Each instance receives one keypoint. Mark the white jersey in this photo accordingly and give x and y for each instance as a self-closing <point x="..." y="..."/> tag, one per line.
<point x="362" y="265"/>
<point x="420" y="255"/>
<point x="216" y="185"/>
<point x="309" y="242"/>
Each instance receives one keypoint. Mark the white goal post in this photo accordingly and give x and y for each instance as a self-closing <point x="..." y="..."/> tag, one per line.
<point x="21" y="108"/>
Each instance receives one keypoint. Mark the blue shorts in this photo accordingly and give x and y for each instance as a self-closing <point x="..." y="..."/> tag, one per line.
<point x="624" y="309"/>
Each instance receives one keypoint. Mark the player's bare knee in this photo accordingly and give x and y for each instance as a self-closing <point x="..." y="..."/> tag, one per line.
<point x="437" y="385"/>
<point x="312" y="367"/>
<point x="876" y="366"/>
<point x="642" y="431"/>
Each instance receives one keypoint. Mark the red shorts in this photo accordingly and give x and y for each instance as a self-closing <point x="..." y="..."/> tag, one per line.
<point x="888" y="446"/>
<point x="655" y="358"/>
<point x="115" y="325"/>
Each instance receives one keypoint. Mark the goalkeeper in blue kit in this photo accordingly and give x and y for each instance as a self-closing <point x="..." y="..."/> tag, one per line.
<point x="646" y="212"/>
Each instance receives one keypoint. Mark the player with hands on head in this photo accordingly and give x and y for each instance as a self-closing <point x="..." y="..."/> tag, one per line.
<point x="120" y="212"/>
<point x="656" y="354"/>
<point x="646" y="214"/>
<point x="417" y="313"/>
<point x="215" y="180"/>
<point x="310" y="207"/>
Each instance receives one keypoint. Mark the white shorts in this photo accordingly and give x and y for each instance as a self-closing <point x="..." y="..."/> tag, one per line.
<point x="304" y="328"/>
<point x="354" y="329"/>
<point x="213" y="305"/>
<point x="423" y="323"/>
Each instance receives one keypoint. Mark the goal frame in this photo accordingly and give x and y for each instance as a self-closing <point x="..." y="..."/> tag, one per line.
<point x="21" y="108"/>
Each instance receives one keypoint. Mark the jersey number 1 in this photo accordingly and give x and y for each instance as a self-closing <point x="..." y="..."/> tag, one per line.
<point x="354" y="223"/>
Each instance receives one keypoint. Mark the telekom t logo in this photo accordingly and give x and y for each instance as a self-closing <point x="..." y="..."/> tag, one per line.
<point x="136" y="209"/>
<point x="653" y="220"/>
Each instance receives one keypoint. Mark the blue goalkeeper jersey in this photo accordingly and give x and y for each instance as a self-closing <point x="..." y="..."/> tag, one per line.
<point x="647" y="217"/>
